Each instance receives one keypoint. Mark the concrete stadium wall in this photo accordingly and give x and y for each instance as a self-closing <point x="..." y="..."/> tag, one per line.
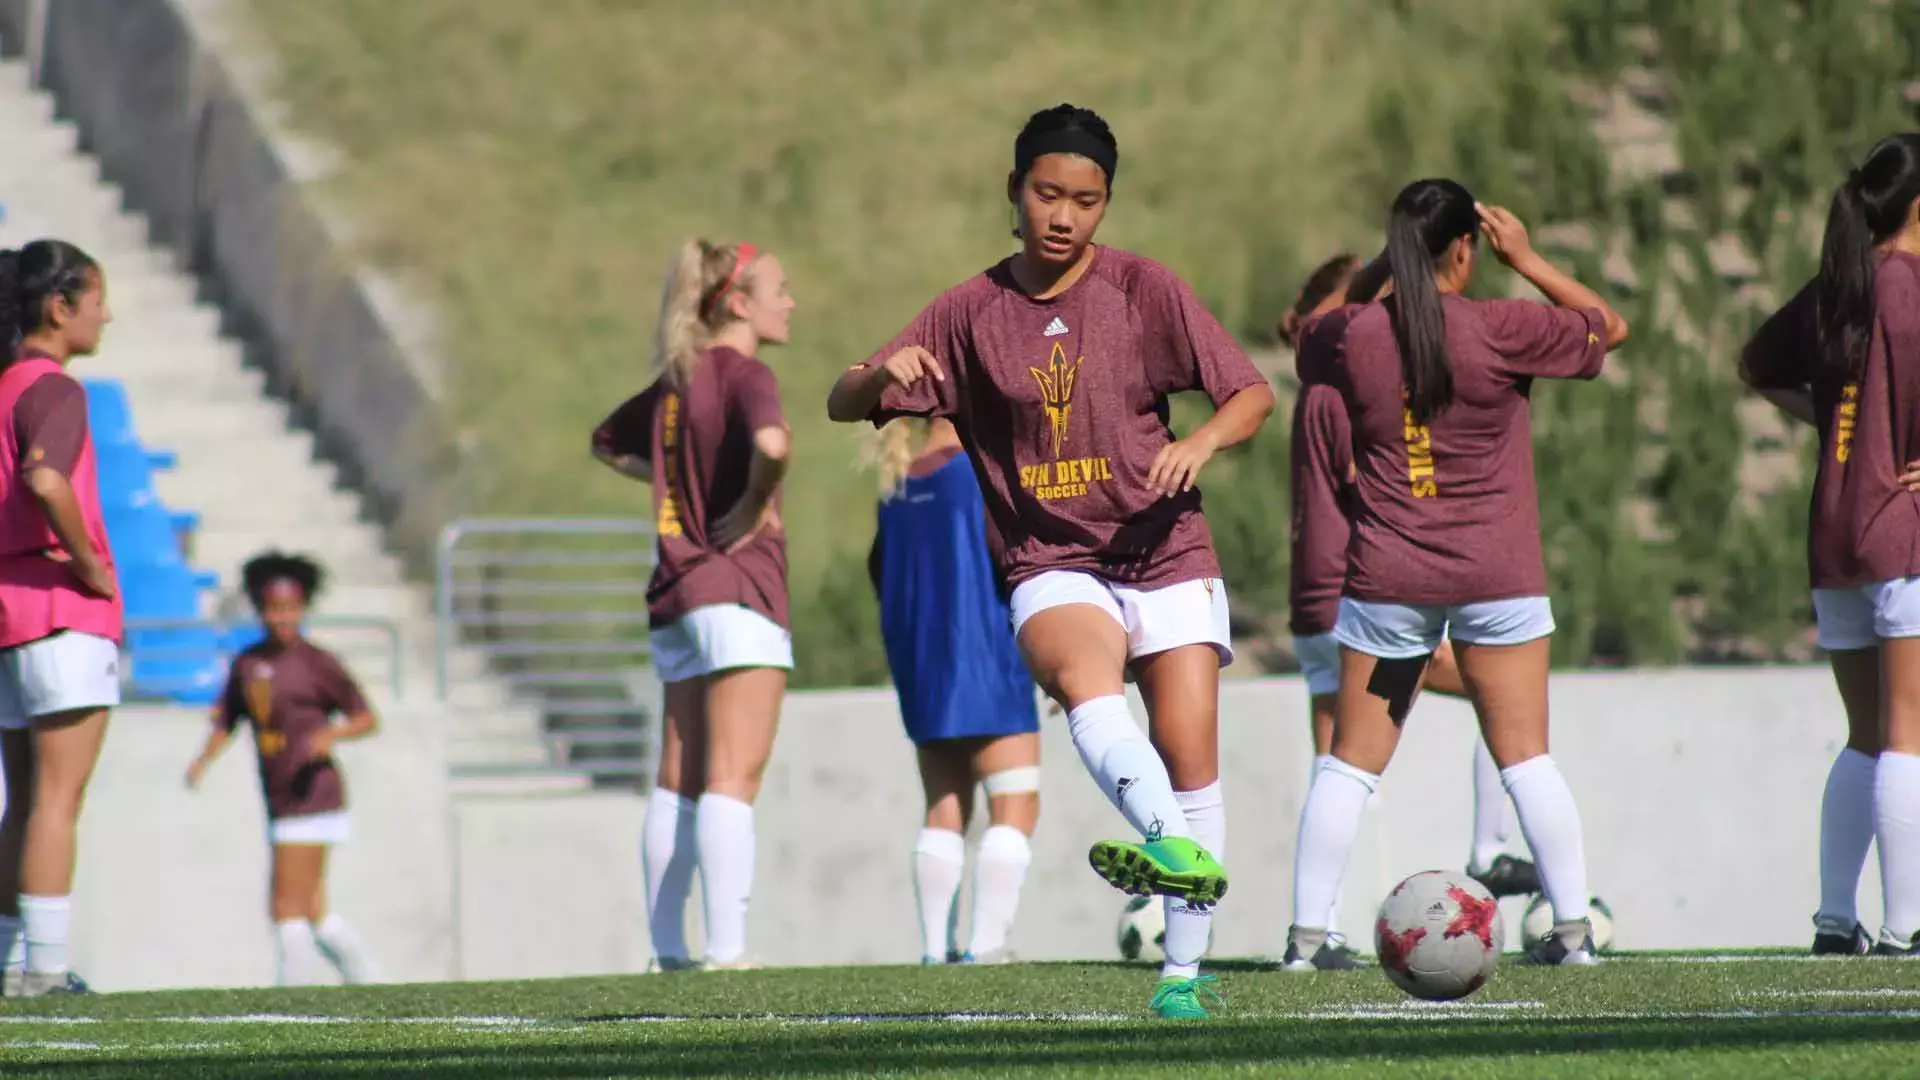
<point x="1699" y="789"/>
<point x="173" y="113"/>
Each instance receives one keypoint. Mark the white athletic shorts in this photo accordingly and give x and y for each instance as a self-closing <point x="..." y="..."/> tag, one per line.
<point x="1399" y="631"/>
<point x="719" y="637"/>
<point x="66" y="671"/>
<point x="1190" y="613"/>
<point x="1862" y="616"/>
<point x="331" y="827"/>
<point x="1319" y="656"/>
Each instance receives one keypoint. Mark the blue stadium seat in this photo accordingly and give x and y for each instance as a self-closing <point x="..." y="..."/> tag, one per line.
<point x="109" y="413"/>
<point x="183" y="662"/>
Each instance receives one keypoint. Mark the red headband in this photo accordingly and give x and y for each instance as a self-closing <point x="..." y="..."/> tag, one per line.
<point x="743" y="254"/>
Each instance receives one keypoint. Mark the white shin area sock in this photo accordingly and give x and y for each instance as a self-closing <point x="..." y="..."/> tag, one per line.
<point x="1189" y="927"/>
<point x="668" y="856"/>
<point x="1846" y="832"/>
<point x="1126" y="766"/>
<point x="299" y="953"/>
<point x="43" y="921"/>
<point x="1896" y="813"/>
<point x="939" y="865"/>
<point x="725" y="828"/>
<point x="344" y="950"/>
<point x="1489" y="810"/>
<point x="1550" y="821"/>
<point x="999" y="869"/>
<point x="1329" y="825"/>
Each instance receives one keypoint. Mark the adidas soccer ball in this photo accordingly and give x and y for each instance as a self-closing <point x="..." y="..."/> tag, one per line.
<point x="1143" y="929"/>
<point x="1439" y="935"/>
<point x="1538" y="923"/>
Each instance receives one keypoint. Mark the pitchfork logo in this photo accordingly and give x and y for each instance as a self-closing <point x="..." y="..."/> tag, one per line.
<point x="1056" y="391"/>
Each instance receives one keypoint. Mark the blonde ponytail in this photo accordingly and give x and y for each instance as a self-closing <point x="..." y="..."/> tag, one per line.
<point x="890" y="451"/>
<point x="688" y="314"/>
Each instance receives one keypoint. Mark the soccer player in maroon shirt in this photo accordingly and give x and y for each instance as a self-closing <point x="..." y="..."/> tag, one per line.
<point x="60" y="614"/>
<point x="1055" y="366"/>
<point x="1322" y="481"/>
<point x="709" y="435"/>
<point x="1844" y="356"/>
<point x="1446" y="534"/>
<point x="290" y="691"/>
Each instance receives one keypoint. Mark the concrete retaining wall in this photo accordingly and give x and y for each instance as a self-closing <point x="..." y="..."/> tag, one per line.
<point x="1700" y="793"/>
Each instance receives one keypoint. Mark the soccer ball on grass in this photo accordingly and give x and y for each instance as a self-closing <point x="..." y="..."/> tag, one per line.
<point x="1439" y="935"/>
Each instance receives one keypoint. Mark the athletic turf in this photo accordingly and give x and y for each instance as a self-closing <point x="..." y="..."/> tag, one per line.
<point x="1748" y="1017"/>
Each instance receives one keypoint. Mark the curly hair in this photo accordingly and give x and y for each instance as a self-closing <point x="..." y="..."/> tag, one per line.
<point x="268" y="567"/>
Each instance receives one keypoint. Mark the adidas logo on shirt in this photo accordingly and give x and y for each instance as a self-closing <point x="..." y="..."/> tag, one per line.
<point x="1055" y="328"/>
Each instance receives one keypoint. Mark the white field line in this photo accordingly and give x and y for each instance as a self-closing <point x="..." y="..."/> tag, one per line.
<point x="1875" y="992"/>
<point x="48" y="1045"/>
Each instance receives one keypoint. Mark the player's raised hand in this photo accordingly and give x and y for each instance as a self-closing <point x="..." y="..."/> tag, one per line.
<point x="1505" y="233"/>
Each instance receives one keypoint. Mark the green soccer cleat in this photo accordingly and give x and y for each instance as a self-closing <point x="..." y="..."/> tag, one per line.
<point x="1175" y="998"/>
<point x="1174" y="866"/>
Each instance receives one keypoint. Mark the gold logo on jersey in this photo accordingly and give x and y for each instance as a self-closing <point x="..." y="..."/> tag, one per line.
<point x="1846" y="417"/>
<point x="1056" y="391"/>
<point x="259" y="695"/>
<point x="667" y="517"/>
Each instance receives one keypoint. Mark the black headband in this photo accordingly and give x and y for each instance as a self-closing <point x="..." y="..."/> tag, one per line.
<point x="1067" y="140"/>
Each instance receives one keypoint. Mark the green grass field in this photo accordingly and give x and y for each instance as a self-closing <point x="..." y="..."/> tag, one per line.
<point x="1750" y="1016"/>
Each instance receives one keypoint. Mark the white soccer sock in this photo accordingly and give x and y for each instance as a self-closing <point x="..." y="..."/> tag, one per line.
<point x="1846" y="831"/>
<point x="1126" y="766"/>
<point x="668" y="856"/>
<point x="43" y="919"/>
<point x="725" y="828"/>
<point x="939" y="864"/>
<point x="999" y="869"/>
<point x="1896" y="819"/>
<point x="1188" y="927"/>
<point x="13" y="945"/>
<point x="298" y="952"/>
<point x="343" y="949"/>
<point x="1489" y="810"/>
<point x="1329" y="825"/>
<point x="1550" y="821"/>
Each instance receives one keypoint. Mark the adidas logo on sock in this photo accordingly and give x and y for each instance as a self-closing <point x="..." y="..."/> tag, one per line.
<point x="1055" y="328"/>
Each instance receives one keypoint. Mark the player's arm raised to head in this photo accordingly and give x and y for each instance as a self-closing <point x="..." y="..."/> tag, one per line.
<point x="1510" y="243"/>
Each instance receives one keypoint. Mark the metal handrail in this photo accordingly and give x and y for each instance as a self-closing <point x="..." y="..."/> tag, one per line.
<point x="388" y="630"/>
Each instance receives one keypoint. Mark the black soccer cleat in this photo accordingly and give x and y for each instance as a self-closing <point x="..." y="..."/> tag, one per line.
<point x="1316" y="950"/>
<point x="1839" y="937"/>
<point x="1508" y="876"/>
<point x="57" y="984"/>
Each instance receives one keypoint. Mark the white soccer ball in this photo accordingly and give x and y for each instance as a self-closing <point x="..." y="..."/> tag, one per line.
<point x="1143" y="929"/>
<point x="1538" y="923"/>
<point x="1439" y="935"/>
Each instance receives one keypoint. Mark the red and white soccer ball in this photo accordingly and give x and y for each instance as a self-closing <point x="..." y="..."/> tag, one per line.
<point x="1439" y="935"/>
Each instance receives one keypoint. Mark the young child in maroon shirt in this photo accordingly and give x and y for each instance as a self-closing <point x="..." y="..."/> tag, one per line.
<point x="1055" y="366"/>
<point x="1446" y="534"/>
<point x="289" y="690"/>
<point x="1321" y="485"/>
<point x="710" y="436"/>
<point x="1844" y="355"/>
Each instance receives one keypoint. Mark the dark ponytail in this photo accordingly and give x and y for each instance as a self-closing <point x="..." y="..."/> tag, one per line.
<point x="1427" y="216"/>
<point x="33" y="275"/>
<point x="1870" y="205"/>
<point x="1328" y="278"/>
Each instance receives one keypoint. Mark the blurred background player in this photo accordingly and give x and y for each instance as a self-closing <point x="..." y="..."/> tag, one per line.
<point x="290" y="690"/>
<point x="1056" y="365"/>
<point x="1446" y="539"/>
<point x="710" y="436"/>
<point x="60" y="614"/>
<point x="965" y="695"/>
<point x="1844" y="356"/>
<point x="1322" y="480"/>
